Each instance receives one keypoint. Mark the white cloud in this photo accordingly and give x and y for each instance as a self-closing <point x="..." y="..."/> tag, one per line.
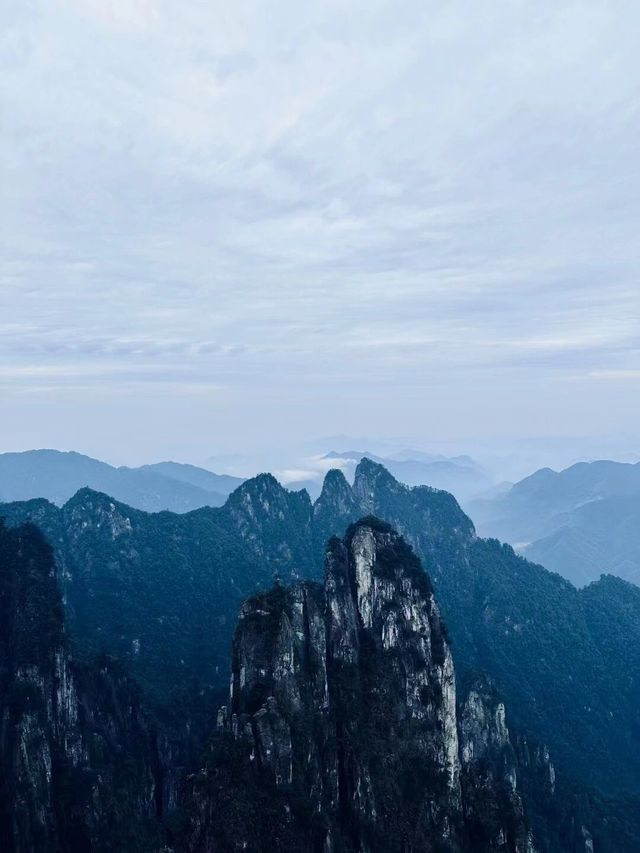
<point x="120" y="14"/>
<point x="319" y="206"/>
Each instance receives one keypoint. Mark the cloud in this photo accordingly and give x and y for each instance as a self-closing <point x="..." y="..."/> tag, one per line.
<point x="320" y="206"/>
<point x="122" y="15"/>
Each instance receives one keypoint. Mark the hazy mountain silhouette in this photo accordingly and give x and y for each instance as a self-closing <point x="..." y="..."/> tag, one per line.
<point x="57" y="476"/>
<point x="582" y="522"/>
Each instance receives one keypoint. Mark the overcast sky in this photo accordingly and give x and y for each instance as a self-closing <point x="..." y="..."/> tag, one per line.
<point x="231" y="225"/>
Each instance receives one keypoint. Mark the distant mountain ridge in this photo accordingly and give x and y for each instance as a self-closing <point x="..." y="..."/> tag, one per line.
<point x="57" y="476"/>
<point x="202" y="478"/>
<point x="460" y="475"/>
<point x="179" y="487"/>
<point x="582" y="522"/>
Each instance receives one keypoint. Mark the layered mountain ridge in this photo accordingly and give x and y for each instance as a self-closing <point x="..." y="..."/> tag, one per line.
<point x="344" y="693"/>
<point x="160" y="593"/>
<point x="581" y="522"/>
<point x="58" y="475"/>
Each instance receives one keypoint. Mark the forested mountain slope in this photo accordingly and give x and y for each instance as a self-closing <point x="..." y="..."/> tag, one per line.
<point x="581" y="522"/>
<point x="348" y="731"/>
<point x="161" y="593"/>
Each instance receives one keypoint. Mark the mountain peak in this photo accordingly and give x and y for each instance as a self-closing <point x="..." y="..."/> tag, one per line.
<point x="88" y="496"/>
<point x="266" y="489"/>
<point x="371" y="523"/>
<point x="262" y="482"/>
<point x="98" y="510"/>
<point x="370" y="477"/>
<point x="369" y="644"/>
<point x="335" y="483"/>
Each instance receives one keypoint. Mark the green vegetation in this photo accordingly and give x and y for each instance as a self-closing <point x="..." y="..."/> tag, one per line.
<point x="160" y="593"/>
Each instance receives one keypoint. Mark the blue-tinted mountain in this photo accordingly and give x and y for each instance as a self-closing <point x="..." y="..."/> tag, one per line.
<point x="459" y="475"/>
<point x="218" y="484"/>
<point x="581" y="522"/>
<point x="346" y="731"/>
<point x="57" y="476"/>
<point x="599" y="537"/>
<point x="161" y="591"/>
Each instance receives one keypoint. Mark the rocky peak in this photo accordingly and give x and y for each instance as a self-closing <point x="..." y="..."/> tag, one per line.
<point x="344" y="696"/>
<point x="94" y="511"/>
<point x="432" y="512"/>
<point x="336" y="493"/>
<point x="87" y="499"/>
<point x="274" y="523"/>
<point x="263" y="499"/>
<point x="333" y="512"/>
<point x="371" y="479"/>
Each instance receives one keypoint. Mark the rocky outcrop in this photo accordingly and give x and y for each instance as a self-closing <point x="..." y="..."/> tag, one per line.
<point x="273" y="524"/>
<point x="82" y="767"/>
<point x="490" y="772"/>
<point x="343" y="697"/>
<point x="160" y="593"/>
<point x="345" y="730"/>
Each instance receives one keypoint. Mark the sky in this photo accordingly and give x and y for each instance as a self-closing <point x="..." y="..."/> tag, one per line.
<point x="227" y="228"/>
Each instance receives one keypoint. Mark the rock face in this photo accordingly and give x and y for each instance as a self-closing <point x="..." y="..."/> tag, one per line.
<point x="160" y="593"/>
<point x="343" y="697"/>
<point x="345" y="730"/>
<point x="82" y="768"/>
<point x="490" y="770"/>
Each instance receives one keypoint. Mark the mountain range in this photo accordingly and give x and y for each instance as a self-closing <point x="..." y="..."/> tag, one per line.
<point x="159" y="592"/>
<point x="347" y="730"/>
<point x="582" y="522"/>
<point x="460" y="475"/>
<point x="57" y="476"/>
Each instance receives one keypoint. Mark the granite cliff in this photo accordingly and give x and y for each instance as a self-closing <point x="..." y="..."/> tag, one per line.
<point x="343" y="700"/>
<point x="82" y="766"/>
<point x="159" y="594"/>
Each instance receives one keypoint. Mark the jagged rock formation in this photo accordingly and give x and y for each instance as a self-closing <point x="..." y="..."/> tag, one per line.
<point x="490" y="768"/>
<point x="160" y="593"/>
<point x="82" y="767"/>
<point x="344" y="696"/>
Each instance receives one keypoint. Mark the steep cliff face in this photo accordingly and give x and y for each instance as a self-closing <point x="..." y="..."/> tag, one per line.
<point x="38" y="701"/>
<point x="508" y="617"/>
<point x="82" y="768"/>
<point x="490" y="771"/>
<point x="343" y="697"/>
<point x="160" y="593"/>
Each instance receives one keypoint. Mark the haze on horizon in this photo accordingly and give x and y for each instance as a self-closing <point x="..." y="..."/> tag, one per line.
<point x="234" y="228"/>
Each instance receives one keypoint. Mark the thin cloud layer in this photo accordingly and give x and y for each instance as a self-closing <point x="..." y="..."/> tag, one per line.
<point x="414" y="218"/>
